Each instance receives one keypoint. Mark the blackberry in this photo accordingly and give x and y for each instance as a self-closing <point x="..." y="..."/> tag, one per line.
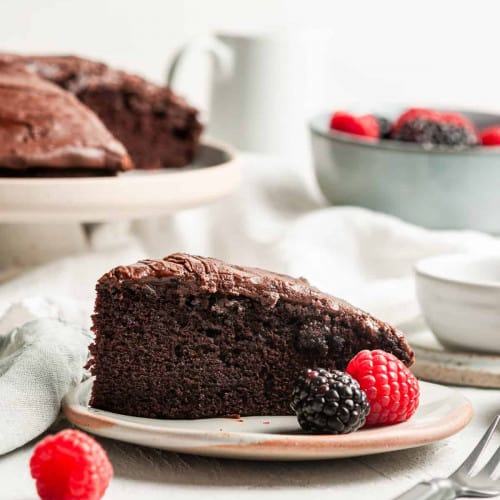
<point x="431" y="132"/>
<point x="329" y="402"/>
<point x="385" y="127"/>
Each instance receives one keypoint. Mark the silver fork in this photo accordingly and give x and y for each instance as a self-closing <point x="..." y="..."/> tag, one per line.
<point x="464" y="482"/>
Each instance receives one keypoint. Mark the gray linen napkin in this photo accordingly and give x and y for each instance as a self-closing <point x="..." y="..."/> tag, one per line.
<point x="39" y="363"/>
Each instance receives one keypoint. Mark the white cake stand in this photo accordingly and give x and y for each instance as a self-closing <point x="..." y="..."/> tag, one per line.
<point x="45" y="218"/>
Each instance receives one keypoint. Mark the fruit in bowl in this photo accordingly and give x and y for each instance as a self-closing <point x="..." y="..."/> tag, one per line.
<point x="418" y="125"/>
<point x="366" y="125"/>
<point x="490" y="136"/>
<point x="435" y="168"/>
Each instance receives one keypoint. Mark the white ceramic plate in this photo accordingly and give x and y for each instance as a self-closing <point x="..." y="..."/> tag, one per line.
<point x="134" y="194"/>
<point x="442" y="413"/>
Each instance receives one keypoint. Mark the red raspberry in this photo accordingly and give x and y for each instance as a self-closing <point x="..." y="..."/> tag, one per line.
<point x="70" y="465"/>
<point x="366" y="125"/>
<point x="490" y="136"/>
<point x="391" y="388"/>
<point x="413" y="114"/>
<point x="457" y="119"/>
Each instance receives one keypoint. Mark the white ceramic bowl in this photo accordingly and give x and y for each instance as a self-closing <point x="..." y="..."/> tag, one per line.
<point x="460" y="299"/>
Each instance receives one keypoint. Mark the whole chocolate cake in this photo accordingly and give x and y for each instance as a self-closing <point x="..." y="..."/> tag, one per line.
<point x="157" y="128"/>
<point x="192" y="337"/>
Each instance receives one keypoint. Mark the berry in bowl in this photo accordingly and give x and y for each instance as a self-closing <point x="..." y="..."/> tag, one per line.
<point x="435" y="168"/>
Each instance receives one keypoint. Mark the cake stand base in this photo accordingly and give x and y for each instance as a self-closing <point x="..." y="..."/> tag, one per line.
<point x="27" y="245"/>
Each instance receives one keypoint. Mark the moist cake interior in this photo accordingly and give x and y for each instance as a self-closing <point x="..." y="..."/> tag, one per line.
<point x="164" y="349"/>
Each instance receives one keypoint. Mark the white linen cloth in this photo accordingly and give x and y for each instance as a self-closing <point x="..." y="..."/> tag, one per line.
<point x="277" y="220"/>
<point x="39" y="363"/>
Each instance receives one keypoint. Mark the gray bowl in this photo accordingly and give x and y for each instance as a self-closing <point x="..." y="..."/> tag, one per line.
<point x="439" y="188"/>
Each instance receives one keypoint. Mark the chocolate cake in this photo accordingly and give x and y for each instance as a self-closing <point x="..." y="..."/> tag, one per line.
<point x="157" y="128"/>
<point x="47" y="131"/>
<point x="192" y="337"/>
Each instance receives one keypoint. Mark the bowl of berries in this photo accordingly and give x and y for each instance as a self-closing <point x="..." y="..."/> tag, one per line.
<point x="436" y="168"/>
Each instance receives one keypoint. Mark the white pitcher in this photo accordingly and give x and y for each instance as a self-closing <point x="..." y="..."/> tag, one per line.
<point x="264" y="88"/>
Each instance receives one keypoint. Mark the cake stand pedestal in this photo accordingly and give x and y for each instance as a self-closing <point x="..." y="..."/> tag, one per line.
<point x="27" y="245"/>
<point x="42" y="219"/>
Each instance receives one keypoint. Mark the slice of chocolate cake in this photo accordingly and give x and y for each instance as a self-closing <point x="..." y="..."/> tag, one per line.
<point x="47" y="131"/>
<point x="158" y="128"/>
<point x="192" y="337"/>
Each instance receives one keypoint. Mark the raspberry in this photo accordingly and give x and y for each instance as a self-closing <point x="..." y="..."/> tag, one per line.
<point x="490" y="136"/>
<point x="457" y="119"/>
<point x="413" y="114"/>
<point x="329" y="402"/>
<point x="70" y="465"/>
<point x="366" y="125"/>
<point x="391" y="388"/>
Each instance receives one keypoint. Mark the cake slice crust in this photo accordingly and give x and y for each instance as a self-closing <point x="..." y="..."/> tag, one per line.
<point x="193" y="337"/>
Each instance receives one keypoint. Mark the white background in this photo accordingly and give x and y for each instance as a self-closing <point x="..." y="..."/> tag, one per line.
<point x="431" y="51"/>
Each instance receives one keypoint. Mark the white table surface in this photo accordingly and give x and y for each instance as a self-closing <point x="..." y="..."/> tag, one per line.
<point x="152" y="474"/>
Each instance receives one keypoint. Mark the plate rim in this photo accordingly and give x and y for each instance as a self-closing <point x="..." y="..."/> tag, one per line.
<point x="251" y="445"/>
<point x="126" y="196"/>
<point x="207" y="141"/>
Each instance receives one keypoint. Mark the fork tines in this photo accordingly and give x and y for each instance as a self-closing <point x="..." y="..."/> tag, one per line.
<point x="477" y="452"/>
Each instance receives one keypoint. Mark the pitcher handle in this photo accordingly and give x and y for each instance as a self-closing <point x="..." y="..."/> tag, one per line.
<point x="222" y="54"/>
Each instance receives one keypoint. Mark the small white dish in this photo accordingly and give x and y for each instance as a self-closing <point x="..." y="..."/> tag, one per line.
<point x="436" y="363"/>
<point x="460" y="299"/>
<point x="442" y="413"/>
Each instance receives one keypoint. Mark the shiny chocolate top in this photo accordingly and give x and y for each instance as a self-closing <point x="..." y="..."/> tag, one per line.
<point x="42" y="125"/>
<point x="195" y="275"/>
